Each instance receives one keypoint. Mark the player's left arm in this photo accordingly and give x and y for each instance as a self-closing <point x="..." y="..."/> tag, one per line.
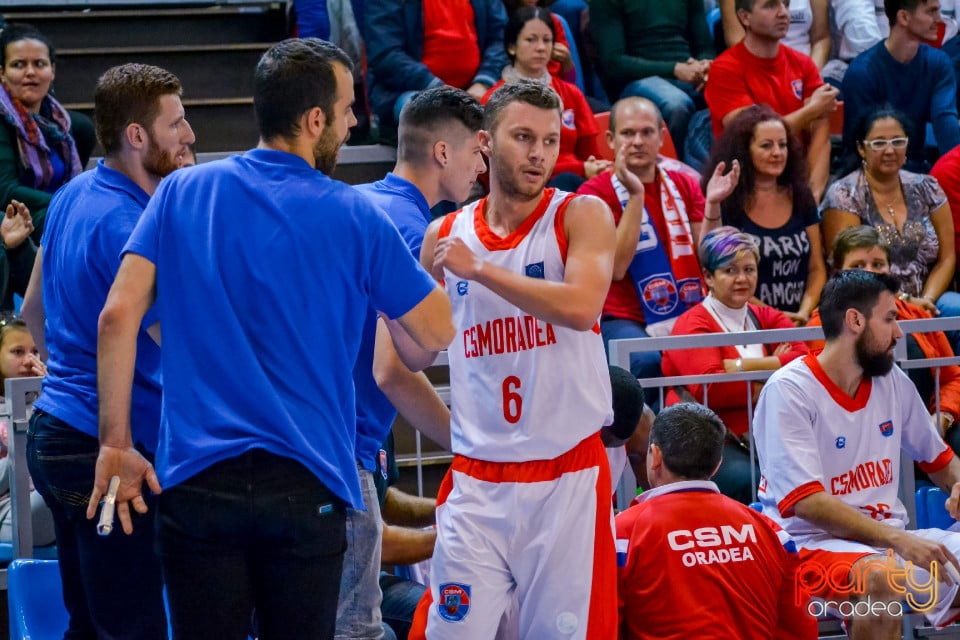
<point x="32" y="310"/>
<point x="577" y="301"/>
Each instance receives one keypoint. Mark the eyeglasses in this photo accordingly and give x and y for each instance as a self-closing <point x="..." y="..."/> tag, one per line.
<point x="880" y="144"/>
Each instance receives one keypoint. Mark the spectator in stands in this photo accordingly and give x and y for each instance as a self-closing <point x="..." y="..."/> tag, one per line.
<point x="909" y="210"/>
<point x="18" y="253"/>
<point x="112" y="585"/>
<point x="659" y="545"/>
<point x="854" y="29"/>
<point x="438" y="158"/>
<point x="863" y="248"/>
<point x="528" y="40"/>
<point x="657" y="50"/>
<point x="37" y="151"/>
<point x="829" y="430"/>
<point x="418" y="44"/>
<point x="729" y="258"/>
<point x="758" y="70"/>
<point x="917" y="80"/>
<point x="280" y="468"/>
<point x="947" y="172"/>
<point x="809" y="31"/>
<point x="19" y="358"/>
<point x="773" y="203"/>
<point x="658" y="214"/>
<point x="561" y="62"/>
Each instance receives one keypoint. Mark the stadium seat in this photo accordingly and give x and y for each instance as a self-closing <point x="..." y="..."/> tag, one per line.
<point x="756" y="506"/>
<point x="40" y="553"/>
<point x="931" y="512"/>
<point x="606" y="153"/>
<point x="35" y="600"/>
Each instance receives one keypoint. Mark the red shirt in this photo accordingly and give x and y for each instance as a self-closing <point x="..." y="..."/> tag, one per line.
<point x="578" y="129"/>
<point x="947" y="173"/>
<point x="728" y="399"/>
<point x="696" y="564"/>
<point x="622" y="301"/>
<point x="450" y="48"/>
<point x="740" y="79"/>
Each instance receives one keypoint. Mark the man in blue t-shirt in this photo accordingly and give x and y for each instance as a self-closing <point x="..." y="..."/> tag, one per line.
<point x="257" y="433"/>
<point x="911" y="76"/>
<point x="111" y="585"/>
<point x="438" y="158"/>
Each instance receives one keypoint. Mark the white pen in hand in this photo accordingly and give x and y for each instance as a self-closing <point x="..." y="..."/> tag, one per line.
<point x="105" y="525"/>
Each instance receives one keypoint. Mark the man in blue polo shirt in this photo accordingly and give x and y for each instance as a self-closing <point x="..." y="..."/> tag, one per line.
<point x="438" y="158"/>
<point x="262" y="269"/>
<point x="111" y="585"/>
<point x="911" y="76"/>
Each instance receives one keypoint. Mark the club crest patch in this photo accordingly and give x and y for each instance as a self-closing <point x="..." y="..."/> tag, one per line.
<point x="568" y="118"/>
<point x="886" y="428"/>
<point x="797" y="86"/>
<point x="454" y="604"/>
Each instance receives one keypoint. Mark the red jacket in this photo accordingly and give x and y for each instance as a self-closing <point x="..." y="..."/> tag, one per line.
<point x="728" y="399"/>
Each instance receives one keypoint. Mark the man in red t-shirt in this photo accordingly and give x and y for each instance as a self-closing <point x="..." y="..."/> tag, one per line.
<point x="684" y="544"/>
<point x="658" y="209"/>
<point x="947" y="172"/>
<point x="759" y="70"/>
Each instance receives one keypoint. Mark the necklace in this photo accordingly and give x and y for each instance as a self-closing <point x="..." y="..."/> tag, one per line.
<point x="877" y="195"/>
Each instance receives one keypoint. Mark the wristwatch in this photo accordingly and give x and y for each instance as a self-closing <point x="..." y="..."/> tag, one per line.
<point x="903" y="295"/>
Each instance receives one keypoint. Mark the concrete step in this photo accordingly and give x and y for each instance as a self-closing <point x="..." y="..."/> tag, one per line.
<point x="206" y="71"/>
<point x="150" y="26"/>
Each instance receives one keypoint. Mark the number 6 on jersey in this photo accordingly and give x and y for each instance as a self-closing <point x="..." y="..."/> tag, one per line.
<point x="512" y="401"/>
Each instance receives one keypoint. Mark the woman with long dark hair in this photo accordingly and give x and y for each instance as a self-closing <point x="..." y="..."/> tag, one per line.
<point x="771" y="201"/>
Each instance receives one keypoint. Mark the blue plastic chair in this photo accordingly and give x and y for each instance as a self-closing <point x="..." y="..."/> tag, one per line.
<point x="35" y="599"/>
<point x="756" y="506"/>
<point x="931" y="512"/>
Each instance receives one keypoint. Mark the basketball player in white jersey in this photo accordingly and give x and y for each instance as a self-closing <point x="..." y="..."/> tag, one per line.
<point x="525" y="510"/>
<point x="829" y="431"/>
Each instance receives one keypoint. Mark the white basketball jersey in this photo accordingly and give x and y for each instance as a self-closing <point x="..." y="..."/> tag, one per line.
<point x="521" y="388"/>
<point x="812" y="436"/>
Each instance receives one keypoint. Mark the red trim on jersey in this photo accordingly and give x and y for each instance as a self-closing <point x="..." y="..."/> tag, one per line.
<point x="602" y="618"/>
<point x="785" y="506"/>
<point x="583" y="456"/>
<point x="447" y="224"/>
<point x="939" y="462"/>
<point x="855" y="403"/>
<point x="492" y="241"/>
<point x="558" y="227"/>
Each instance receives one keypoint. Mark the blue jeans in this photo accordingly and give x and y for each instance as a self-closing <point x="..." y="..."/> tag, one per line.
<point x="642" y="365"/>
<point x="255" y="531"/>
<point x="358" y="610"/>
<point x="111" y="584"/>
<point x="400" y="599"/>
<point x="677" y="101"/>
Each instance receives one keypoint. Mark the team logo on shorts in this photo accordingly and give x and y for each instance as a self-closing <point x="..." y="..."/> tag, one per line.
<point x="886" y="428"/>
<point x="567" y="118"/>
<point x="534" y="270"/>
<point x="841" y="442"/>
<point x="454" y="602"/>
<point x="462" y="287"/>
<point x="797" y="86"/>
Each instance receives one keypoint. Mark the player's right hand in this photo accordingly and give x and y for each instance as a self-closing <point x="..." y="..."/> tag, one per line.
<point x="133" y="470"/>
<point x="924" y="553"/>
<point x="454" y="255"/>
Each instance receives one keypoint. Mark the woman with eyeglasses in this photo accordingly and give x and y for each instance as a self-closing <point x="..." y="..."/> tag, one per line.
<point x="909" y="211"/>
